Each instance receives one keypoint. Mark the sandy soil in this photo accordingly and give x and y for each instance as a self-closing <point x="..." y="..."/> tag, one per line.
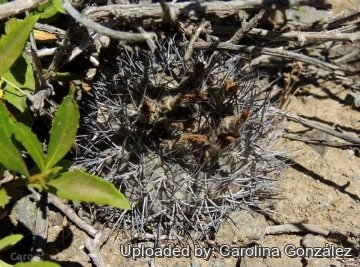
<point x="320" y="187"/>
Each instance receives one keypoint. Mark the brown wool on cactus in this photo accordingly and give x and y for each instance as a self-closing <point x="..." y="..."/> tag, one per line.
<point x="188" y="142"/>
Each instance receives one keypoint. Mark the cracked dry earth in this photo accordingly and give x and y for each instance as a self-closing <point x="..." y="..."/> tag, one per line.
<point x="321" y="187"/>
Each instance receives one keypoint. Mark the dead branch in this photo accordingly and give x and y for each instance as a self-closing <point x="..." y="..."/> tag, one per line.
<point x="190" y="48"/>
<point x="320" y="142"/>
<point x="150" y="42"/>
<point x="278" y="52"/>
<point x="119" y="35"/>
<point x="323" y="128"/>
<point x="300" y="228"/>
<point x="345" y="16"/>
<point x="168" y="16"/>
<point x="49" y="28"/>
<point x="37" y="66"/>
<point x="302" y="37"/>
<point x="246" y="27"/>
<point x="256" y="61"/>
<point x="77" y="50"/>
<point x="93" y="246"/>
<point x="17" y="7"/>
<point x="186" y="9"/>
<point x="152" y="237"/>
<point x="321" y="36"/>
<point x="317" y="126"/>
<point x="45" y="52"/>
<point x="296" y="228"/>
<point x="239" y="34"/>
<point x="337" y="34"/>
<point x="70" y="213"/>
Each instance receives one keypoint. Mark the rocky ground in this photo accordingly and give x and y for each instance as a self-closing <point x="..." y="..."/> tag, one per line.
<point x="317" y="204"/>
<point x="321" y="187"/>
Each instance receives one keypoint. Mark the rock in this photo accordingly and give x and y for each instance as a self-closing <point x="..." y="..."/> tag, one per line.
<point x="311" y="241"/>
<point x="217" y="263"/>
<point x="283" y="261"/>
<point x="24" y="212"/>
<point x="55" y="218"/>
<point x="242" y="228"/>
<point x="252" y="262"/>
<point x="195" y="263"/>
<point x="319" y="262"/>
<point x="319" y="135"/>
<point x="352" y="99"/>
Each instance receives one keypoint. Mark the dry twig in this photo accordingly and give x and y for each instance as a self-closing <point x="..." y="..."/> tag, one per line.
<point x="37" y="66"/>
<point x="302" y="37"/>
<point x="168" y="16"/>
<point x="320" y="142"/>
<point x="279" y="52"/>
<point x="318" y="126"/>
<point x="17" y="7"/>
<point x="340" y="34"/>
<point x="44" y="52"/>
<point x="239" y="34"/>
<point x="300" y="228"/>
<point x="253" y="22"/>
<point x="119" y="35"/>
<point x="49" y="28"/>
<point x="72" y="216"/>
<point x="77" y="50"/>
<point x="93" y="246"/>
<point x="296" y="228"/>
<point x="190" y="48"/>
<point x="186" y="9"/>
<point x="345" y="16"/>
<point x="152" y="237"/>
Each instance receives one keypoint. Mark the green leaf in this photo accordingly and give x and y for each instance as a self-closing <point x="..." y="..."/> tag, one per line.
<point x="58" y="4"/>
<point x="48" y="12"/>
<point x="63" y="131"/>
<point x="20" y="75"/>
<point x="8" y="241"/>
<point x="30" y="142"/>
<point x="81" y="186"/>
<point x="13" y="42"/>
<point x="5" y="121"/>
<point x="4" y="264"/>
<point x="50" y="9"/>
<point x="37" y="264"/>
<point x="12" y="159"/>
<point x="4" y="198"/>
<point x="23" y="134"/>
<point x="39" y="180"/>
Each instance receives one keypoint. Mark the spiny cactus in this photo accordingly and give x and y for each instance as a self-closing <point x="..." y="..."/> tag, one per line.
<point x="187" y="141"/>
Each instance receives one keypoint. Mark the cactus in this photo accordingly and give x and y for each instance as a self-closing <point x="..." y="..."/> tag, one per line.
<point x="186" y="141"/>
